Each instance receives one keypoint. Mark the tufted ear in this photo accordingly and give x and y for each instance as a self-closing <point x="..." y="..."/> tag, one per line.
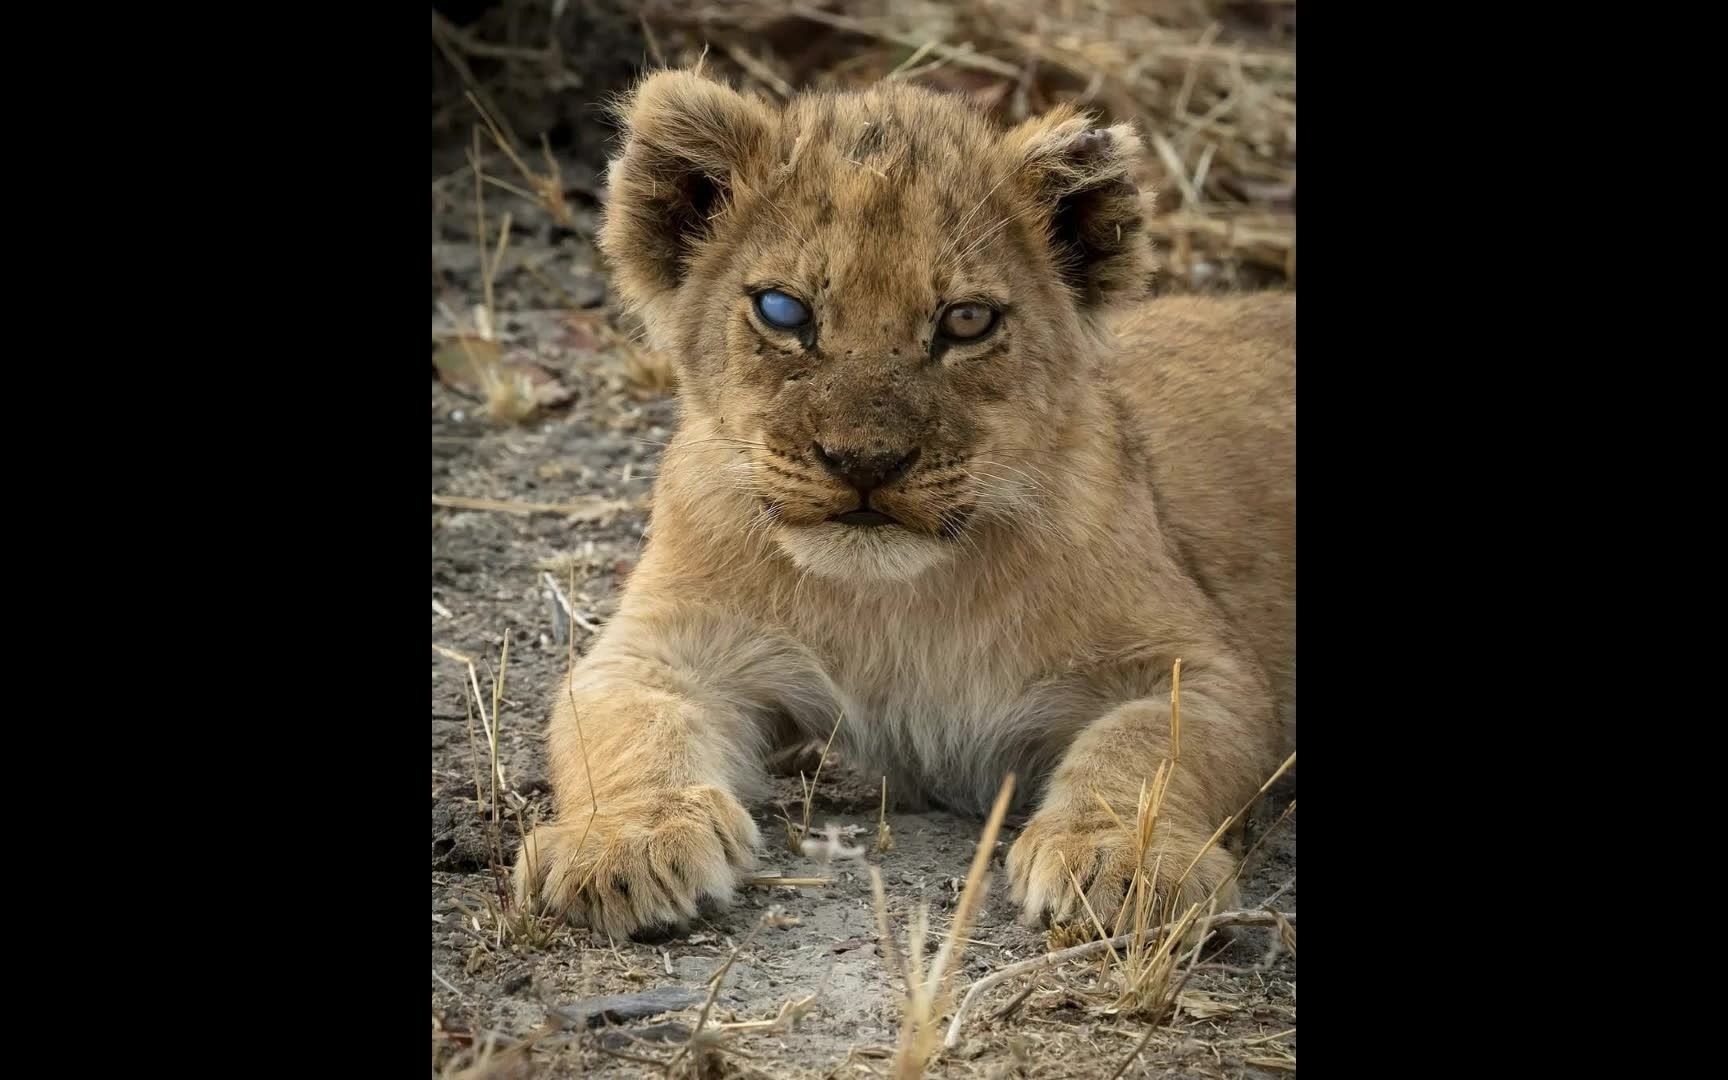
<point x="1097" y="222"/>
<point x="687" y="140"/>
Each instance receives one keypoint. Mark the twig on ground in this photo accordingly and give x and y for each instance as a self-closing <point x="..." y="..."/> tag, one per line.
<point x="570" y="611"/>
<point x="1279" y="891"/>
<point x="504" y="506"/>
<point x="1014" y="1003"/>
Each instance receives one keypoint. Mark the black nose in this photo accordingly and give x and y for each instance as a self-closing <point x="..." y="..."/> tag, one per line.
<point x="865" y="470"/>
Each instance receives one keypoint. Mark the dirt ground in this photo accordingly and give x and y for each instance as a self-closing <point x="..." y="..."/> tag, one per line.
<point x="595" y="458"/>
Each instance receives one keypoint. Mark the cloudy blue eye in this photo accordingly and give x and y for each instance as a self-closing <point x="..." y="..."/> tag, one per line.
<point x="778" y="309"/>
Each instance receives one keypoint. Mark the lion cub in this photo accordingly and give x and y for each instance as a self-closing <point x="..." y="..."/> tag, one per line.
<point x="941" y="473"/>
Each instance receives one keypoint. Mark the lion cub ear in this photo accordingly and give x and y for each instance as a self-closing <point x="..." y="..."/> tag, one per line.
<point x="688" y="140"/>
<point x="1084" y="175"/>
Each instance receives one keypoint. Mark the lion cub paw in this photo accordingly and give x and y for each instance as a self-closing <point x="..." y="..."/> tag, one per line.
<point x="1063" y="846"/>
<point x="644" y="863"/>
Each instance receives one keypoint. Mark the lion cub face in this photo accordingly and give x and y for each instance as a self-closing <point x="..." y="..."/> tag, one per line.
<point x="880" y="301"/>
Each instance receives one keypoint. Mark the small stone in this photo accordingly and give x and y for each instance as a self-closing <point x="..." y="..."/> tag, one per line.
<point x="621" y="1008"/>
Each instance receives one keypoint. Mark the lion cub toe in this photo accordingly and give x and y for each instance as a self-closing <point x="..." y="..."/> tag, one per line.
<point x="1062" y="848"/>
<point x="640" y="865"/>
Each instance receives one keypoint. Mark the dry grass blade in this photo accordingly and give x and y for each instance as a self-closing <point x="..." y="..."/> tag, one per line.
<point x="486" y="722"/>
<point x="530" y="852"/>
<point x="1085" y="903"/>
<point x="497" y="706"/>
<point x="1149" y="976"/>
<point x="796" y="835"/>
<point x="1151" y="1029"/>
<point x="1285" y="1064"/>
<point x="884" y="834"/>
<point x="1094" y="948"/>
<point x="510" y="923"/>
<point x="767" y="881"/>
<point x="548" y="190"/>
<point x="928" y="990"/>
<point x="592" y="509"/>
<point x="512" y="393"/>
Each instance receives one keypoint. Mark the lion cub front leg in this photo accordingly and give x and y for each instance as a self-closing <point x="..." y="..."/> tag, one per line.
<point x="661" y="828"/>
<point x="1228" y="749"/>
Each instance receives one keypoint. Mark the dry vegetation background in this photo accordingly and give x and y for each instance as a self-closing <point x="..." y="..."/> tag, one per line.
<point x="547" y="418"/>
<point x="1212" y="83"/>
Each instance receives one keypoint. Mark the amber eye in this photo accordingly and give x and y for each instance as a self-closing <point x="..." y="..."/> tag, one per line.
<point x="967" y="322"/>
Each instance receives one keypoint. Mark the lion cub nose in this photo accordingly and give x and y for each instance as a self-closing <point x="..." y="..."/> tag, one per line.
<point x="865" y="470"/>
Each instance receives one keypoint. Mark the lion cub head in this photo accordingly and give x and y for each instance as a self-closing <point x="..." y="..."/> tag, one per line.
<point x="874" y="301"/>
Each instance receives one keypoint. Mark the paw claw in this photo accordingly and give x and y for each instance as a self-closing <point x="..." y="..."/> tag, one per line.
<point x="642" y="864"/>
<point x="1105" y="860"/>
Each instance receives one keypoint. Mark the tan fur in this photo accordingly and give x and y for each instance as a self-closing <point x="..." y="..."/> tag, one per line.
<point x="1103" y="485"/>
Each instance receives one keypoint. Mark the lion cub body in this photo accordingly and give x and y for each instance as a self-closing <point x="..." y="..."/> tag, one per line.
<point x="1092" y="490"/>
<point x="946" y="686"/>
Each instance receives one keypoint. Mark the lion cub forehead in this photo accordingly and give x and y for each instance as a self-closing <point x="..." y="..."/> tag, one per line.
<point x="915" y="138"/>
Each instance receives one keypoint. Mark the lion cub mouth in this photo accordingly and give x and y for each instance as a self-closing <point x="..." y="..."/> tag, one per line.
<point x="864" y="518"/>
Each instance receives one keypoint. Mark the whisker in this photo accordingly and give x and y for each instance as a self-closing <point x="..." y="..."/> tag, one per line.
<point x="985" y="235"/>
<point x="1034" y="482"/>
<point x="960" y="228"/>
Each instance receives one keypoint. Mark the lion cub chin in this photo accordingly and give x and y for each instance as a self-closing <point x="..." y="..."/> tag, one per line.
<point x="942" y="477"/>
<point x="849" y="553"/>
